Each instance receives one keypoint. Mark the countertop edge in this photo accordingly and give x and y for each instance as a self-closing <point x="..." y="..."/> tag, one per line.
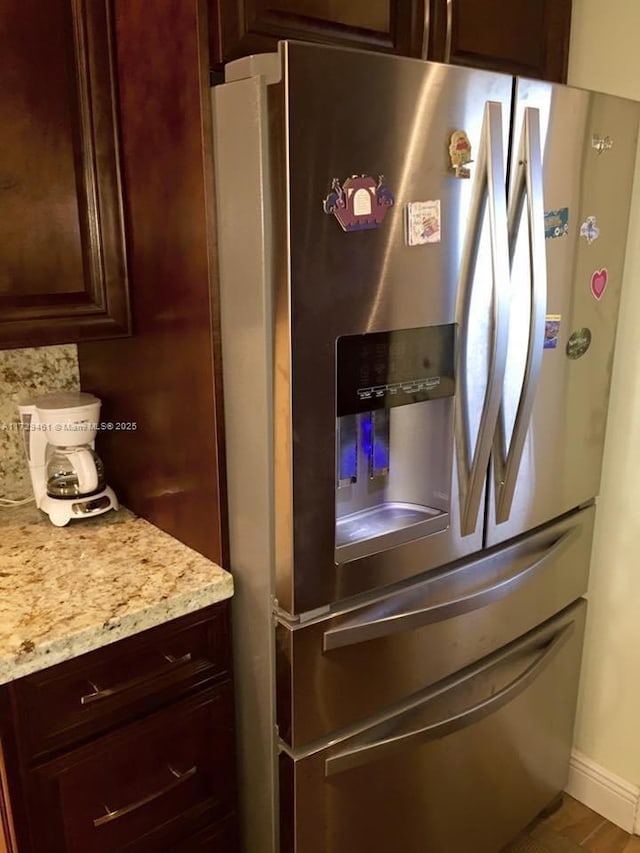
<point x="72" y="646"/>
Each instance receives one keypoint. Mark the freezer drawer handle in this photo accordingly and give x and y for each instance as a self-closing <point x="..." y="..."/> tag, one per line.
<point x="383" y="618"/>
<point x="366" y="753"/>
<point x="488" y="191"/>
<point x="528" y="181"/>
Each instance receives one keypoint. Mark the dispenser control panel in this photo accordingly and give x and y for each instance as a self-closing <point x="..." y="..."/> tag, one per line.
<point x="381" y="370"/>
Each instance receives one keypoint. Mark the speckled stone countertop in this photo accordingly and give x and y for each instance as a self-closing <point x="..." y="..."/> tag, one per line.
<point x="66" y="591"/>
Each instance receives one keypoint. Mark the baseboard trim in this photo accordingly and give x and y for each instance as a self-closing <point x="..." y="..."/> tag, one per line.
<point x="604" y="792"/>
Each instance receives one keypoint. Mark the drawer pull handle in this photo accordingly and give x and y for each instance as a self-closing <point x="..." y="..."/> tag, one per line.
<point x="178" y="779"/>
<point x="173" y="659"/>
<point x="98" y="694"/>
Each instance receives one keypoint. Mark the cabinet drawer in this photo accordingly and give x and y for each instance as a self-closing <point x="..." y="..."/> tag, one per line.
<point x="221" y="838"/>
<point x="146" y="787"/>
<point x="66" y="704"/>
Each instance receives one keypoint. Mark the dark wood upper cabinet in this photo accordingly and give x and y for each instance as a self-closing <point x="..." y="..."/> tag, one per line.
<point x="525" y="37"/>
<point x="241" y="27"/>
<point x="62" y="264"/>
<point x="166" y="377"/>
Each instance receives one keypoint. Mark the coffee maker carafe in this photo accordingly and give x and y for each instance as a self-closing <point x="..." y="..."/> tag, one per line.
<point x="66" y="473"/>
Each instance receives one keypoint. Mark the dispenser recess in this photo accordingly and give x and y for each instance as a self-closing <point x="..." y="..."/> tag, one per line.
<point x="394" y="437"/>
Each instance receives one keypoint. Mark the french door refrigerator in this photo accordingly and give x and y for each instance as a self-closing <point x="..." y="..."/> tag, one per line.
<point x="420" y="269"/>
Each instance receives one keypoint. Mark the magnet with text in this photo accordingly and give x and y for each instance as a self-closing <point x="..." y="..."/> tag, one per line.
<point x="460" y="153"/>
<point x="423" y="222"/>
<point x="556" y="223"/>
<point x="578" y="343"/>
<point x="551" y="330"/>
<point x="601" y="143"/>
<point x="589" y="230"/>
<point x="360" y="203"/>
<point x="599" y="281"/>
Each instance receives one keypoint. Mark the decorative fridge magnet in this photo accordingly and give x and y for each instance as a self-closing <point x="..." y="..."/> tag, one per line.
<point x="578" y="343"/>
<point x="360" y="203"/>
<point x="599" y="281"/>
<point x="556" y="223"/>
<point x="460" y="153"/>
<point x="601" y="143"/>
<point x="589" y="229"/>
<point x="551" y="330"/>
<point x="423" y="222"/>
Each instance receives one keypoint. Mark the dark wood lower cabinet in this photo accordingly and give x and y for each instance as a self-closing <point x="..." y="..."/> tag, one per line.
<point x="221" y="838"/>
<point x="132" y="778"/>
<point x="7" y="833"/>
<point x="143" y="788"/>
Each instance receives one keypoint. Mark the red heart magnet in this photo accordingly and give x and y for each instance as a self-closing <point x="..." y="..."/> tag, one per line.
<point x="599" y="281"/>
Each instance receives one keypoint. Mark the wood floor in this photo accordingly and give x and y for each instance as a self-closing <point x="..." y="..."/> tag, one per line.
<point x="590" y="830"/>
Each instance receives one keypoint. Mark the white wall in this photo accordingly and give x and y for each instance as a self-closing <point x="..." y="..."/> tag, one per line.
<point x="605" y="55"/>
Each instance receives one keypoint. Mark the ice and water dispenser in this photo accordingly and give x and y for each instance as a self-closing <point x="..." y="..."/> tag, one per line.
<point x="394" y="437"/>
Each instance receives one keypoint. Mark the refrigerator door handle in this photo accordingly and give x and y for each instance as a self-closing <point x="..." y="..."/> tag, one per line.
<point x="449" y="31"/>
<point x="389" y="743"/>
<point x="488" y="192"/>
<point x="399" y="612"/>
<point x="426" y="26"/>
<point x="529" y="183"/>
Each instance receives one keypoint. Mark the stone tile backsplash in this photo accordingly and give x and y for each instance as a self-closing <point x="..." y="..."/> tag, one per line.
<point x="23" y="373"/>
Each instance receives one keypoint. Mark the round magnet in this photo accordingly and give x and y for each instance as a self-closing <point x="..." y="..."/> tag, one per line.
<point x="579" y="343"/>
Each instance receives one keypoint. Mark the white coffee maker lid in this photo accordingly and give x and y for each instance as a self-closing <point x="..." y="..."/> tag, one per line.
<point x="63" y="400"/>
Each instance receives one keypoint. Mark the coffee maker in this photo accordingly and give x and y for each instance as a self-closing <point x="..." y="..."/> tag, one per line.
<point x="66" y="474"/>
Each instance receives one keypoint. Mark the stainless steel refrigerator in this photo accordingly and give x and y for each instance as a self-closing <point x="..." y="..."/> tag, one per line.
<point x="420" y="270"/>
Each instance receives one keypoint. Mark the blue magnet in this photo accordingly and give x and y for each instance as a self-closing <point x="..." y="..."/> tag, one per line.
<point x="551" y="330"/>
<point x="556" y="223"/>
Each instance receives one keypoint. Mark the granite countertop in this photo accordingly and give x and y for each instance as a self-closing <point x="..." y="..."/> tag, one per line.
<point x="66" y="591"/>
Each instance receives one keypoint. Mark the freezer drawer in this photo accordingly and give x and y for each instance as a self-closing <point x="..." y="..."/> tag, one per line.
<point x="341" y="669"/>
<point x="467" y="764"/>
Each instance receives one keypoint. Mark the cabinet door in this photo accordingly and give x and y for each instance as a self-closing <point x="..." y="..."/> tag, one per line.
<point x="219" y="838"/>
<point x="241" y="27"/>
<point x="13" y="829"/>
<point x="526" y="37"/>
<point x="145" y="788"/>
<point x="7" y="844"/>
<point x="62" y="265"/>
